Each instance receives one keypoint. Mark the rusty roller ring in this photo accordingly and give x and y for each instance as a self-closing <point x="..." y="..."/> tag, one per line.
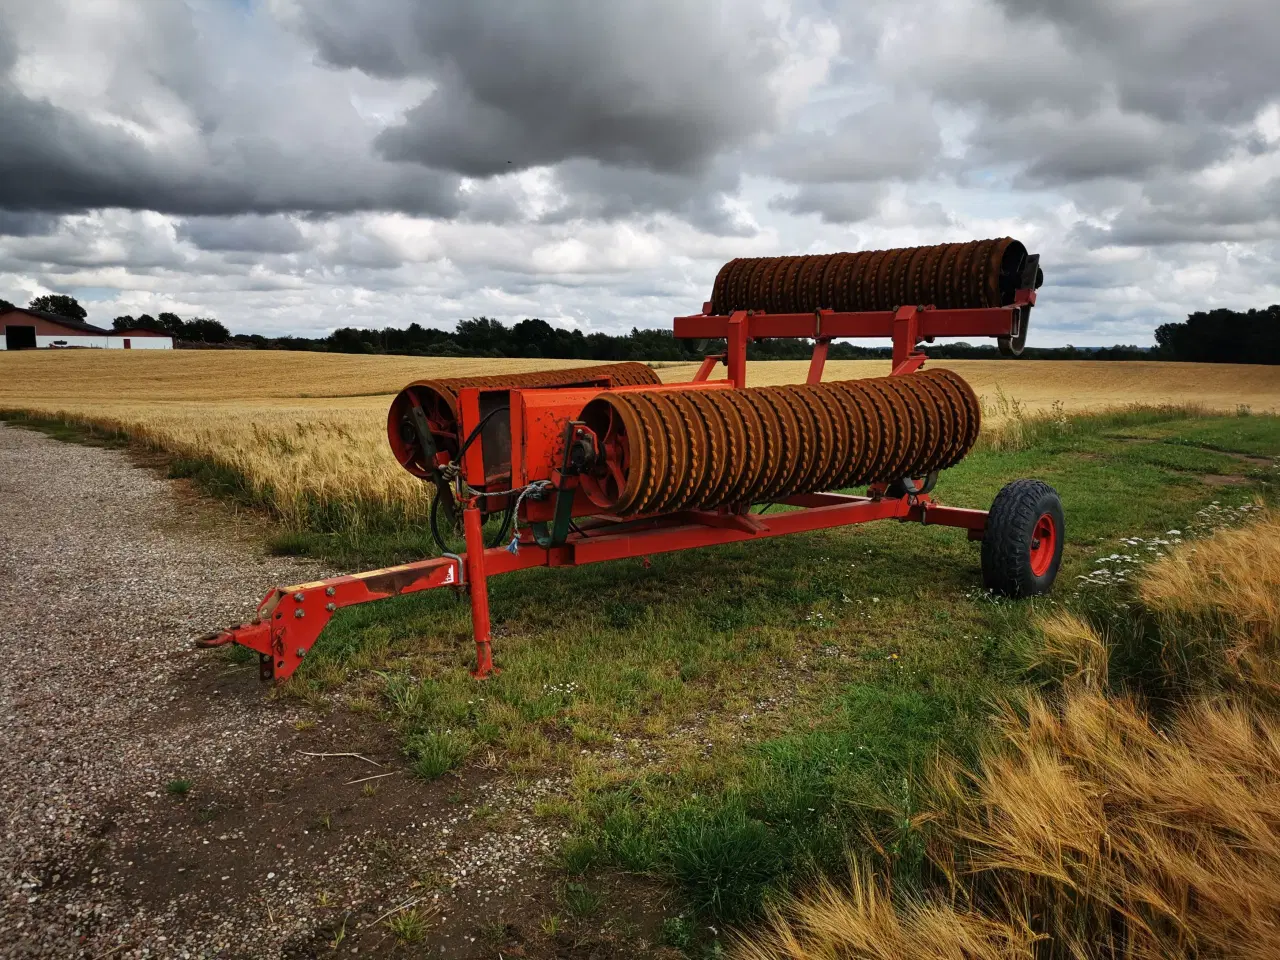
<point x="968" y="403"/>
<point x="720" y="288"/>
<point x="914" y="288"/>
<point x="788" y="450"/>
<point x="969" y="274"/>
<point x="977" y="292"/>
<point x="755" y="449"/>
<point x="877" y="433"/>
<point x="773" y="272"/>
<point x="615" y="483"/>
<point x="829" y="293"/>
<point x="808" y="283"/>
<point x="697" y="460"/>
<point x="751" y="284"/>
<point x="965" y="411"/>
<point x="780" y="299"/>
<point x="885" y="299"/>
<point x="775" y="446"/>
<point x="747" y="283"/>
<point x="650" y="483"/>
<point x="871" y="269"/>
<point x="826" y="445"/>
<point x="829" y="282"/>
<point x="893" y="278"/>
<point x="857" y="434"/>
<point x="927" y="288"/>
<point x="777" y="266"/>
<point x="833" y="433"/>
<point x="838" y="294"/>
<point x="911" y="276"/>
<point x="939" y="415"/>
<point x="910" y="414"/>
<point x="926" y="426"/>
<point x="755" y="445"/>
<point x="805" y="450"/>
<point x="718" y="443"/>
<point x="954" y="417"/>
<point x="833" y="421"/>
<point x="773" y="462"/>
<point x="787" y="297"/>
<point x="735" y="447"/>
<point x="764" y="464"/>
<point x="891" y="270"/>
<point x="677" y="452"/>
<point x="893" y="446"/>
<point x="859" y="277"/>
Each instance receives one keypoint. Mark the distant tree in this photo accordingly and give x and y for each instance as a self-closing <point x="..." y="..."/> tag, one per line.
<point x="59" y="305"/>
<point x="6" y="305"/>
<point x="172" y="324"/>
<point x="1223" y="336"/>
<point x="144" y="322"/>
<point x="202" y="330"/>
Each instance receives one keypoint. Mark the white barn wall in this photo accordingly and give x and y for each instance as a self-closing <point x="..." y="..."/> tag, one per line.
<point x="101" y="343"/>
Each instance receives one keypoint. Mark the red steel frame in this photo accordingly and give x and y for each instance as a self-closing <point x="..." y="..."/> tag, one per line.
<point x="290" y="619"/>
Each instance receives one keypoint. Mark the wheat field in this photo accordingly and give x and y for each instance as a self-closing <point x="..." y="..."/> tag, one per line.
<point x="307" y="431"/>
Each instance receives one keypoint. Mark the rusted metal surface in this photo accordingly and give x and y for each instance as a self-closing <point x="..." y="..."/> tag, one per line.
<point x="981" y="273"/>
<point x="671" y="450"/>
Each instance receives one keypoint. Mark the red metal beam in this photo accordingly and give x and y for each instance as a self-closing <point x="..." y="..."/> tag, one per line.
<point x="978" y="322"/>
<point x="290" y="619"/>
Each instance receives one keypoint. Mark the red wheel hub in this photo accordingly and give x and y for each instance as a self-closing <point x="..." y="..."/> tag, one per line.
<point x="1044" y="544"/>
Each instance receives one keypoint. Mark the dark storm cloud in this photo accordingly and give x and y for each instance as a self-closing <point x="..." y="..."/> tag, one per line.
<point x="1178" y="60"/>
<point x="659" y="85"/>
<point x="174" y="130"/>
<point x="244" y="234"/>
<point x="21" y="224"/>
<point x="56" y="161"/>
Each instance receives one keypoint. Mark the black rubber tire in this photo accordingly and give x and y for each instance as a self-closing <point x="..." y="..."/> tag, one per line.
<point x="1006" y="545"/>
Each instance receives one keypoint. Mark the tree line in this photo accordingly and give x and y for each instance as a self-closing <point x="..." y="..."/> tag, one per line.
<point x="1223" y="336"/>
<point x="486" y="337"/>
<point x="1215" y="336"/>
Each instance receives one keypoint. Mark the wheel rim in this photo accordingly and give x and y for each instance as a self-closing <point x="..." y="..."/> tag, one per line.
<point x="1044" y="544"/>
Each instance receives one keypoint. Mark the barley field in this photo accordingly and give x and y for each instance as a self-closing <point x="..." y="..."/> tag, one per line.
<point x="306" y="432"/>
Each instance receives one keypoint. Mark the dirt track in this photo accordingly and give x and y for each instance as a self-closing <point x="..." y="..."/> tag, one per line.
<point x="106" y="573"/>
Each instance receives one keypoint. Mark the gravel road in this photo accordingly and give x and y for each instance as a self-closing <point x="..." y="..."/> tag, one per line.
<point x="107" y="572"/>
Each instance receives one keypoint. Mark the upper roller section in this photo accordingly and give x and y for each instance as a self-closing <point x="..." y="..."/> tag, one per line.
<point x="981" y="273"/>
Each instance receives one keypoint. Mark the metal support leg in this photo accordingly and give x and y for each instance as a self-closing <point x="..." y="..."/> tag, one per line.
<point x="479" y="588"/>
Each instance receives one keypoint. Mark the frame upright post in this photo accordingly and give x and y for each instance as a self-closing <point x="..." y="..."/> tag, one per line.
<point x="478" y="588"/>
<point x="737" y="349"/>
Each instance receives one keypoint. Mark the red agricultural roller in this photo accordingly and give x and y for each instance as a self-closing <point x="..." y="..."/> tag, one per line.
<point x="602" y="463"/>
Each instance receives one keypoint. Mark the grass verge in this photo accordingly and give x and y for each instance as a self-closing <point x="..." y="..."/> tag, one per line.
<point x="731" y="719"/>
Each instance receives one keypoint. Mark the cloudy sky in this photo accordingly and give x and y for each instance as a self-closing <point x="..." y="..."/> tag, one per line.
<point x="291" y="166"/>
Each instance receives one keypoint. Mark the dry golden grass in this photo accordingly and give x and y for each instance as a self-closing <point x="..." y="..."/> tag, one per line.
<point x="1089" y="830"/>
<point x="1078" y="385"/>
<point x="202" y="375"/>
<point x="306" y="431"/>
